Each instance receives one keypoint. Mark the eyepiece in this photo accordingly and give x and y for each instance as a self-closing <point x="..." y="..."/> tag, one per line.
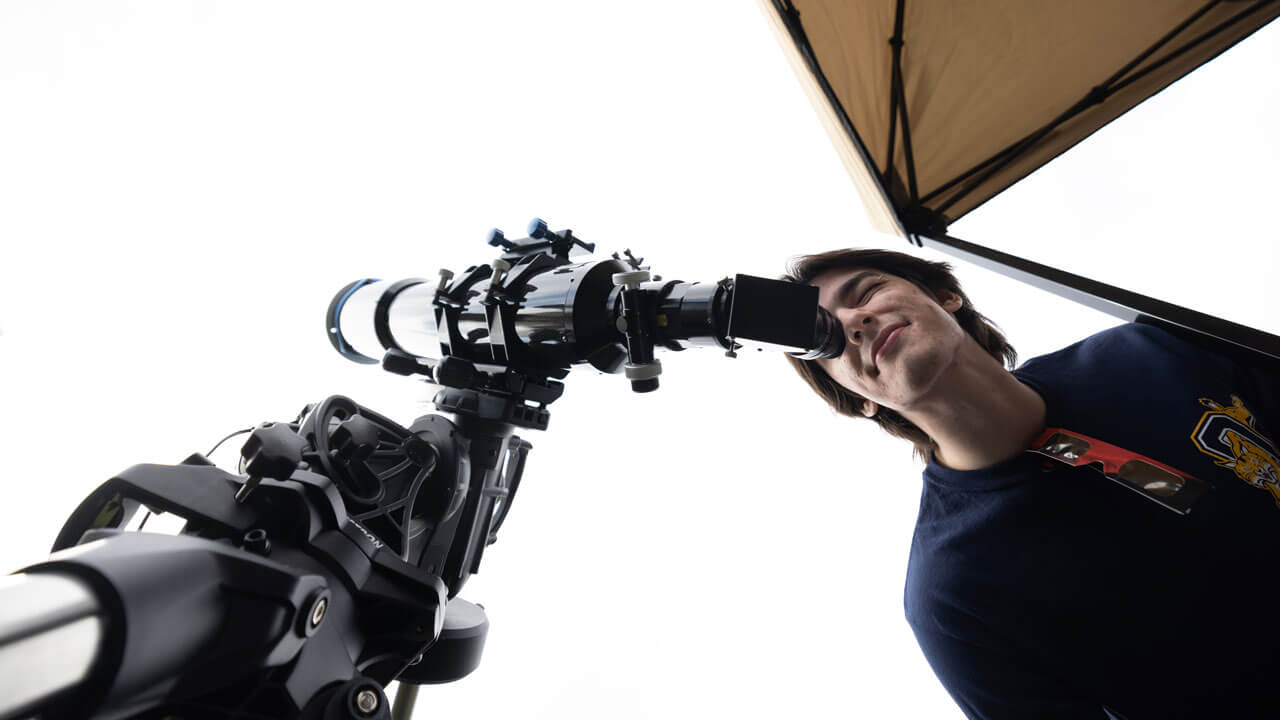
<point x="828" y="336"/>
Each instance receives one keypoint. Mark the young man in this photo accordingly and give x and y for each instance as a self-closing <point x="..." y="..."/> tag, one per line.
<point x="1041" y="588"/>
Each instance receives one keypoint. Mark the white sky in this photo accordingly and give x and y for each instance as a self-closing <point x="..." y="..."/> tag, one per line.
<point x="183" y="186"/>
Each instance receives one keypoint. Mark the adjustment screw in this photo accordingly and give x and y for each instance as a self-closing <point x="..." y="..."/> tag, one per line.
<point x="255" y="541"/>
<point x="318" y="611"/>
<point x="311" y="613"/>
<point x="632" y="279"/>
<point x="367" y="702"/>
<point x="500" y="268"/>
<point x="445" y="276"/>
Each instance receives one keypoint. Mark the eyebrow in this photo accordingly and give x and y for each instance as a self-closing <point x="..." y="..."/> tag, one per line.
<point x="847" y="288"/>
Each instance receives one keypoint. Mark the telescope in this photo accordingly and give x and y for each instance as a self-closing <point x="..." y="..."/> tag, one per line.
<point x="329" y="564"/>
<point x="535" y="311"/>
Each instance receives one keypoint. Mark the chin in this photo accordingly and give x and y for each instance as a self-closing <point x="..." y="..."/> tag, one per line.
<point x="920" y="371"/>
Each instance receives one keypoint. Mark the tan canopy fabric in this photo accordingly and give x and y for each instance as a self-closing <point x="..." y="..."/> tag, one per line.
<point x="989" y="90"/>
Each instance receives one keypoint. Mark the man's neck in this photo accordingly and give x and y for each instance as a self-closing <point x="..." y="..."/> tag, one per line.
<point x="978" y="413"/>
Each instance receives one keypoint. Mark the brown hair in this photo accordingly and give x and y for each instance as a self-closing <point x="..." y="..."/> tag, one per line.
<point x="933" y="278"/>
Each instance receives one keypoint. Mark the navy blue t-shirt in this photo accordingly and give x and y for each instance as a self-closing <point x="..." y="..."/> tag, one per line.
<point x="1038" y="590"/>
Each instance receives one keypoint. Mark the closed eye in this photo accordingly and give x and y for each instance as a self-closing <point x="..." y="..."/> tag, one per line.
<point x="868" y="292"/>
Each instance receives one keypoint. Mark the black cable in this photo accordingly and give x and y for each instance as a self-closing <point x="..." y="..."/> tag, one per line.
<point x="219" y="443"/>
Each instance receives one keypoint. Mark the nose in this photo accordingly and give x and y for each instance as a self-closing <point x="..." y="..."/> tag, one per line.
<point x="855" y="322"/>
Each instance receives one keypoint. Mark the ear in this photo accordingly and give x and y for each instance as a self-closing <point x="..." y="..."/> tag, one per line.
<point x="869" y="409"/>
<point x="950" y="301"/>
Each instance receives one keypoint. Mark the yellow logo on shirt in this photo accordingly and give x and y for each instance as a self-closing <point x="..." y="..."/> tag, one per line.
<point x="1229" y="436"/>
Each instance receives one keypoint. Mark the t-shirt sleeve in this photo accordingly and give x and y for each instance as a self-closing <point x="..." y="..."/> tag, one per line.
<point x="990" y="683"/>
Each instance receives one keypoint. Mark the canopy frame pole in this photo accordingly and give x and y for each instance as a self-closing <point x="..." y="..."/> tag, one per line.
<point x="790" y="17"/>
<point x="1097" y="95"/>
<point x="1161" y="43"/>
<point x="1207" y="34"/>
<point x="893" y="108"/>
<point x="1245" y="343"/>
<point x="898" y="109"/>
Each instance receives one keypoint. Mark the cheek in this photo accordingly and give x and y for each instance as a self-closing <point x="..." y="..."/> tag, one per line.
<point x="949" y="328"/>
<point x="836" y="369"/>
<point x="842" y="372"/>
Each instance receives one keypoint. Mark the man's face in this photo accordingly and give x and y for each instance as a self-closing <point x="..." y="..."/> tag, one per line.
<point x="899" y="340"/>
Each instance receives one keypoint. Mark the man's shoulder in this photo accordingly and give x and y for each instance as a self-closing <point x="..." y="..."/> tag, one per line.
<point x="1121" y="337"/>
<point x="1125" y="354"/>
<point x="1125" y="339"/>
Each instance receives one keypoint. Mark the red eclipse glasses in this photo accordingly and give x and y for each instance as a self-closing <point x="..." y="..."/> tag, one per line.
<point x="1153" y="480"/>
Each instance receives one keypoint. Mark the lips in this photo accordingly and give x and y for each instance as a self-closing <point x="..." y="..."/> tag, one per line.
<point x="882" y="338"/>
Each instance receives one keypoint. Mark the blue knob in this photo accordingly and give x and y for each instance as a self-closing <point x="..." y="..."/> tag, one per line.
<point x="538" y="229"/>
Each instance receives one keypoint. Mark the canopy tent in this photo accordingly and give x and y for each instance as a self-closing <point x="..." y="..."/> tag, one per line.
<point x="936" y="107"/>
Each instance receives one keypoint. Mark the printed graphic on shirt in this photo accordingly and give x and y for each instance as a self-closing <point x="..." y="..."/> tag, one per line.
<point x="1229" y="436"/>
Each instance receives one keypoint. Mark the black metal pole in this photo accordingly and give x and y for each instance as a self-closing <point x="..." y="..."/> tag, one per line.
<point x="1129" y="306"/>
<point x="406" y="697"/>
